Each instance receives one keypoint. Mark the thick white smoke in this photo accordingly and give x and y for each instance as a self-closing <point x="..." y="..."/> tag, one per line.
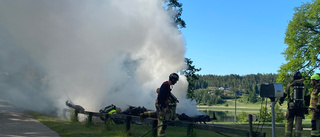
<point x="94" y="52"/>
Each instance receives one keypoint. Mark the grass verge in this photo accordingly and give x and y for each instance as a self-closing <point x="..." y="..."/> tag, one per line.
<point x="80" y="129"/>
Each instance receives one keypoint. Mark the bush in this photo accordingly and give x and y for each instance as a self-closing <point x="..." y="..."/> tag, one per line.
<point x="279" y="115"/>
<point x="264" y="115"/>
<point x="242" y="117"/>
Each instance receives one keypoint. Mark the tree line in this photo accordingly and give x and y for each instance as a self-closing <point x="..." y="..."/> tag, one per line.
<point x="214" y="89"/>
<point x="236" y="83"/>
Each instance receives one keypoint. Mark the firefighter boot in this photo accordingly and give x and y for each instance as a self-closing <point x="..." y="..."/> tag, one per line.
<point x="161" y="128"/>
<point x="288" y="128"/>
<point x="315" y="128"/>
<point x="162" y="133"/>
<point x="298" y="126"/>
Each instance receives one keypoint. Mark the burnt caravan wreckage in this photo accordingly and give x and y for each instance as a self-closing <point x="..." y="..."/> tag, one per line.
<point x="142" y="112"/>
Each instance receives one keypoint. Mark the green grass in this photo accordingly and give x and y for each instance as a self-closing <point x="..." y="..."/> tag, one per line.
<point x="75" y="129"/>
<point x="79" y="129"/>
<point x="251" y="108"/>
<point x="83" y="129"/>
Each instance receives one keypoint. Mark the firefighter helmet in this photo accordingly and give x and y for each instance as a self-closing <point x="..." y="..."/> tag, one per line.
<point x="174" y="76"/>
<point x="315" y="77"/>
<point x="297" y="75"/>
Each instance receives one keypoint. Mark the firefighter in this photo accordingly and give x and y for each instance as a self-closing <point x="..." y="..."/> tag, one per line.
<point x="111" y="109"/>
<point x="298" y="101"/>
<point x="315" y="106"/>
<point x="172" y="108"/>
<point x="162" y="103"/>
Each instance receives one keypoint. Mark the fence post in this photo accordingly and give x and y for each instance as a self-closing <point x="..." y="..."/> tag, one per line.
<point x="106" y="117"/>
<point x="76" y="115"/>
<point x="190" y="130"/>
<point x="90" y="118"/>
<point x="250" y="125"/>
<point x="264" y="134"/>
<point x="128" y="122"/>
<point x="155" y="129"/>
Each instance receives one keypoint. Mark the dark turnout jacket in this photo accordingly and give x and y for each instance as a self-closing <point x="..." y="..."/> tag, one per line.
<point x="163" y="94"/>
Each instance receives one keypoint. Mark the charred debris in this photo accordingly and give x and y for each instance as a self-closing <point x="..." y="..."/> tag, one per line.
<point x="142" y="112"/>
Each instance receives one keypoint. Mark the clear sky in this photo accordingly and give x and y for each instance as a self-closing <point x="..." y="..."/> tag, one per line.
<point x="237" y="36"/>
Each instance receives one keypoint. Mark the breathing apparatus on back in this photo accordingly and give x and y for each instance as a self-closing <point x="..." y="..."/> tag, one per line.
<point x="298" y="89"/>
<point x="298" y="92"/>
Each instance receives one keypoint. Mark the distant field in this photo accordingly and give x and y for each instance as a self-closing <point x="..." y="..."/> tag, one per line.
<point x="246" y="107"/>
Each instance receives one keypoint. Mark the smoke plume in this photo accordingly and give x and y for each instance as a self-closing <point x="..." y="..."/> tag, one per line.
<point x="94" y="53"/>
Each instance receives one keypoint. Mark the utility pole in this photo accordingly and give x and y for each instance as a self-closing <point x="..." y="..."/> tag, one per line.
<point x="273" y="102"/>
<point x="235" y="107"/>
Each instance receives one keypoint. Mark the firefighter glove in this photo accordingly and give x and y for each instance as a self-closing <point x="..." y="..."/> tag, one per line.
<point x="281" y="101"/>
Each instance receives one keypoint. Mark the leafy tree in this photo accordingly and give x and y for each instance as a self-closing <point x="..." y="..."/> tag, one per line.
<point x="302" y="39"/>
<point x="208" y="97"/>
<point x="248" y="85"/>
<point x="252" y="97"/>
<point x="256" y="89"/>
<point x="175" y="7"/>
<point x="236" y="82"/>
<point x="206" y="100"/>
<point x="191" y="77"/>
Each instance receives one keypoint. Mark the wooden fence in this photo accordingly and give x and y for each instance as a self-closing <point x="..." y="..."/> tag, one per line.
<point x="189" y="125"/>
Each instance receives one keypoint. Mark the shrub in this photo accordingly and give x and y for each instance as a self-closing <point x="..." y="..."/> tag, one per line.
<point x="242" y="117"/>
<point x="264" y="115"/>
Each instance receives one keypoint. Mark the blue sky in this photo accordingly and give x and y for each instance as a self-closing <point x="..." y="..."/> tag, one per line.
<point x="237" y="36"/>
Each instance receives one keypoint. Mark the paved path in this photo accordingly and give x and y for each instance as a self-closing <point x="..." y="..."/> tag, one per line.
<point x="15" y="123"/>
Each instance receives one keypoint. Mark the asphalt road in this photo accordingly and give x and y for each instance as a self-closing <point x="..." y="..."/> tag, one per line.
<point x="15" y="123"/>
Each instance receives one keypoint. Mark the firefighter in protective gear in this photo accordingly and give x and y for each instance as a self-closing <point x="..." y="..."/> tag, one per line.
<point x="162" y="103"/>
<point x="315" y="106"/>
<point x="298" y="100"/>
<point x="172" y="108"/>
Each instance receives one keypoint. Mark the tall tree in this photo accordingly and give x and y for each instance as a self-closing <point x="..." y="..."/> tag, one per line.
<point x="191" y="77"/>
<point x="175" y="8"/>
<point x="303" y="40"/>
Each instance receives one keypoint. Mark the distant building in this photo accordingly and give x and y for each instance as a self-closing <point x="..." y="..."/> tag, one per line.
<point x="224" y="88"/>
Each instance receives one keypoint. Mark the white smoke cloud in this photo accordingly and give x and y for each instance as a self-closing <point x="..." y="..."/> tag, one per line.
<point x="94" y="52"/>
